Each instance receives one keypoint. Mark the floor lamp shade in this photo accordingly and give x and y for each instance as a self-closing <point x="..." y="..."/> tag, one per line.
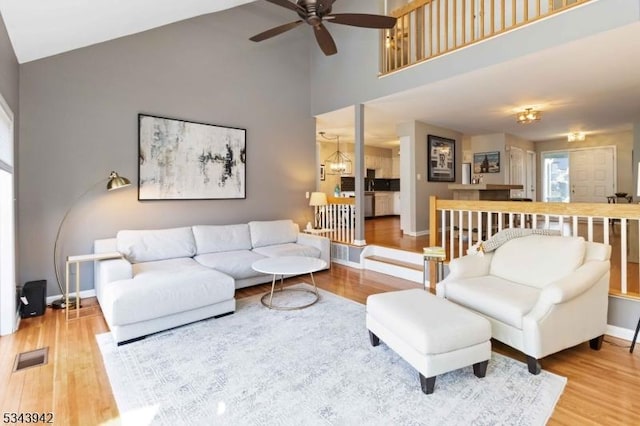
<point x="114" y="181"/>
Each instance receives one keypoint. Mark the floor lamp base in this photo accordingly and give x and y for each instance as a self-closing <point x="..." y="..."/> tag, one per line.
<point x="62" y="303"/>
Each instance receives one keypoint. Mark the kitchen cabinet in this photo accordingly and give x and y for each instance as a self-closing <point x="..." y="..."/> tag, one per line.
<point x="395" y="167"/>
<point x="396" y="203"/>
<point x="383" y="203"/>
<point x="382" y="165"/>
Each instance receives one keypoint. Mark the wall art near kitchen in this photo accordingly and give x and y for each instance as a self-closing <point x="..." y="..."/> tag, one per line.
<point x="183" y="160"/>
<point x="441" y="159"/>
<point x="486" y="162"/>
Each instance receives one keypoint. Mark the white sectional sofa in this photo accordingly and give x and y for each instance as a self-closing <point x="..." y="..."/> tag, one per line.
<point x="171" y="277"/>
<point x="542" y="294"/>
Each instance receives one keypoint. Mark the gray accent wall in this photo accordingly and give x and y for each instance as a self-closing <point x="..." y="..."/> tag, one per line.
<point x="82" y="109"/>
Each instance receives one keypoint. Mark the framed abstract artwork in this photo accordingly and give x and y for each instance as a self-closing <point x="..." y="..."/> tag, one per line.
<point x="486" y="162"/>
<point x="441" y="159"/>
<point x="185" y="160"/>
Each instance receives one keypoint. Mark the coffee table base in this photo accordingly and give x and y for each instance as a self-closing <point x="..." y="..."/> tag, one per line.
<point x="269" y="295"/>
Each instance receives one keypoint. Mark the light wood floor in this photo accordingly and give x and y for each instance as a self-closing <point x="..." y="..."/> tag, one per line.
<point x="602" y="385"/>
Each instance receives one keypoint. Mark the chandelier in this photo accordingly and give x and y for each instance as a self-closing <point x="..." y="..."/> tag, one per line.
<point x="529" y="115"/>
<point x="337" y="163"/>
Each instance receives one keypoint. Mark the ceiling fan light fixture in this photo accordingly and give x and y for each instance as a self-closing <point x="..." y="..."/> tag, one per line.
<point x="529" y="115"/>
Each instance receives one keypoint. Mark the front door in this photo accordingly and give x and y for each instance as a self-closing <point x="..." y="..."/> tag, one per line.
<point x="591" y="174"/>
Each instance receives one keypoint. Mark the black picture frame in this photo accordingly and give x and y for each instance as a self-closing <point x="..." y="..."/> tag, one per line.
<point x="187" y="160"/>
<point x="441" y="159"/>
<point x="486" y="162"/>
<point x="322" y="172"/>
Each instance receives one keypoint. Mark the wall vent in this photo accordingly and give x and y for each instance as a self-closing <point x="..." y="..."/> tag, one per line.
<point x="31" y="359"/>
<point x="339" y="252"/>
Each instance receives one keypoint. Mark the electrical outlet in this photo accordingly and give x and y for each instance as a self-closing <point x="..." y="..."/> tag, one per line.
<point x="306" y="195"/>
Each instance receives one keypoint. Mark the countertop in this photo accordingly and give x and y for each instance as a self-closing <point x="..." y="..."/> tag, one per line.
<point x="482" y="187"/>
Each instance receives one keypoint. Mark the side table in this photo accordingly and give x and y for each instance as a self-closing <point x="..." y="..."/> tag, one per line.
<point x="433" y="255"/>
<point x="77" y="260"/>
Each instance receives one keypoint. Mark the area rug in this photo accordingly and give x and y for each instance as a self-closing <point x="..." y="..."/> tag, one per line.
<point x="307" y="367"/>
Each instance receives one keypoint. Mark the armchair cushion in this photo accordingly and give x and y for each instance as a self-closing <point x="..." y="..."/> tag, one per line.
<point x="551" y="257"/>
<point x="498" y="298"/>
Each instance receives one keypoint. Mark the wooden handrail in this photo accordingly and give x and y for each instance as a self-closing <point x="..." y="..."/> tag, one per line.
<point x="472" y="221"/>
<point x="426" y="29"/>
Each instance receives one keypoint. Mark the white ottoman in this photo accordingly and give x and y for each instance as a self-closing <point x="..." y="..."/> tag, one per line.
<point x="432" y="334"/>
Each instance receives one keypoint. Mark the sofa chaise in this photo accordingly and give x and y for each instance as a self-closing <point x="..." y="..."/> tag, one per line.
<point x="170" y="277"/>
<point x="542" y="294"/>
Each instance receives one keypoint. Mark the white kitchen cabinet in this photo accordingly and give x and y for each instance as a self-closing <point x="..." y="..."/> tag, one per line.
<point x="395" y="167"/>
<point x="396" y="203"/>
<point x="383" y="203"/>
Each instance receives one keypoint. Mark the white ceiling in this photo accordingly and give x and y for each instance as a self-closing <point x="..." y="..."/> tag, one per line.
<point x="41" y="28"/>
<point x="589" y="85"/>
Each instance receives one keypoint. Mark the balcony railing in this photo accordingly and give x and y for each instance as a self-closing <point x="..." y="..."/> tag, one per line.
<point x="430" y="28"/>
<point x="456" y="225"/>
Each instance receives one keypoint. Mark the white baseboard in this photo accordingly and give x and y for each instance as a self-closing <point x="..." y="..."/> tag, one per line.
<point x="83" y="295"/>
<point x="619" y="332"/>
<point x="346" y="263"/>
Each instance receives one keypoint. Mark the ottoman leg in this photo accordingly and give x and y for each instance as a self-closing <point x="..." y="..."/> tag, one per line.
<point x="427" y="384"/>
<point x="533" y="365"/>
<point x="480" y="368"/>
<point x="375" y="340"/>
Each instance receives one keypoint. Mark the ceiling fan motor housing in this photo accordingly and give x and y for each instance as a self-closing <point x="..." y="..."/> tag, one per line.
<point x="312" y="11"/>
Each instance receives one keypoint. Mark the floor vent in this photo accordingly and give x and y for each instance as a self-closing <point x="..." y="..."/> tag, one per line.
<point x="31" y="359"/>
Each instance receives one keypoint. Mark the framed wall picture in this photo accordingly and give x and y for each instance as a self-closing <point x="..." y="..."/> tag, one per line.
<point x="441" y="159"/>
<point x="185" y="160"/>
<point x="322" y="175"/>
<point x="486" y="162"/>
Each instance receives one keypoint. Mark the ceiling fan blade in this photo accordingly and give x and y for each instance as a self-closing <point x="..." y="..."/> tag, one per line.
<point x="275" y="31"/>
<point x="325" y="41"/>
<point x="363" y="20"/>
<point x="287" y="4"/>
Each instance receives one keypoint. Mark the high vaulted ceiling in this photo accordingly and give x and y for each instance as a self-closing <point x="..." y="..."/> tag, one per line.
<point x="588" y="85"/>
<point x="41" y="28"/>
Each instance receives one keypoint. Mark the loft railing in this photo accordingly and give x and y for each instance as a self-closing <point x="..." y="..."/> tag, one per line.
<point x="456" y="225"/>
<point x="429" y="28"/>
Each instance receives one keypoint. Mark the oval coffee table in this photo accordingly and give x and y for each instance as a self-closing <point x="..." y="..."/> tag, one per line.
<point x="289" y="265"/>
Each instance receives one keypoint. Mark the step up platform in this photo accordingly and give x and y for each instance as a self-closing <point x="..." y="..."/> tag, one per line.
<point x="403" y="264"/>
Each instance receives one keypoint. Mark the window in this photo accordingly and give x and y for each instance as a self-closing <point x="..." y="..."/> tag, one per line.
<point x="7" y="227"/>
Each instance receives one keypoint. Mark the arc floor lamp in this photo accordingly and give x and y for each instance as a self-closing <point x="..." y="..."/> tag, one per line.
<point x="114" y="181"/>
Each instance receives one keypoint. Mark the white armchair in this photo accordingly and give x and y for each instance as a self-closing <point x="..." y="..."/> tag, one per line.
<point x="542" y="294"/>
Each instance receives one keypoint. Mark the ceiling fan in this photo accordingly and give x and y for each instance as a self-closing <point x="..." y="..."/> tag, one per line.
<point x="314" y="12"/>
